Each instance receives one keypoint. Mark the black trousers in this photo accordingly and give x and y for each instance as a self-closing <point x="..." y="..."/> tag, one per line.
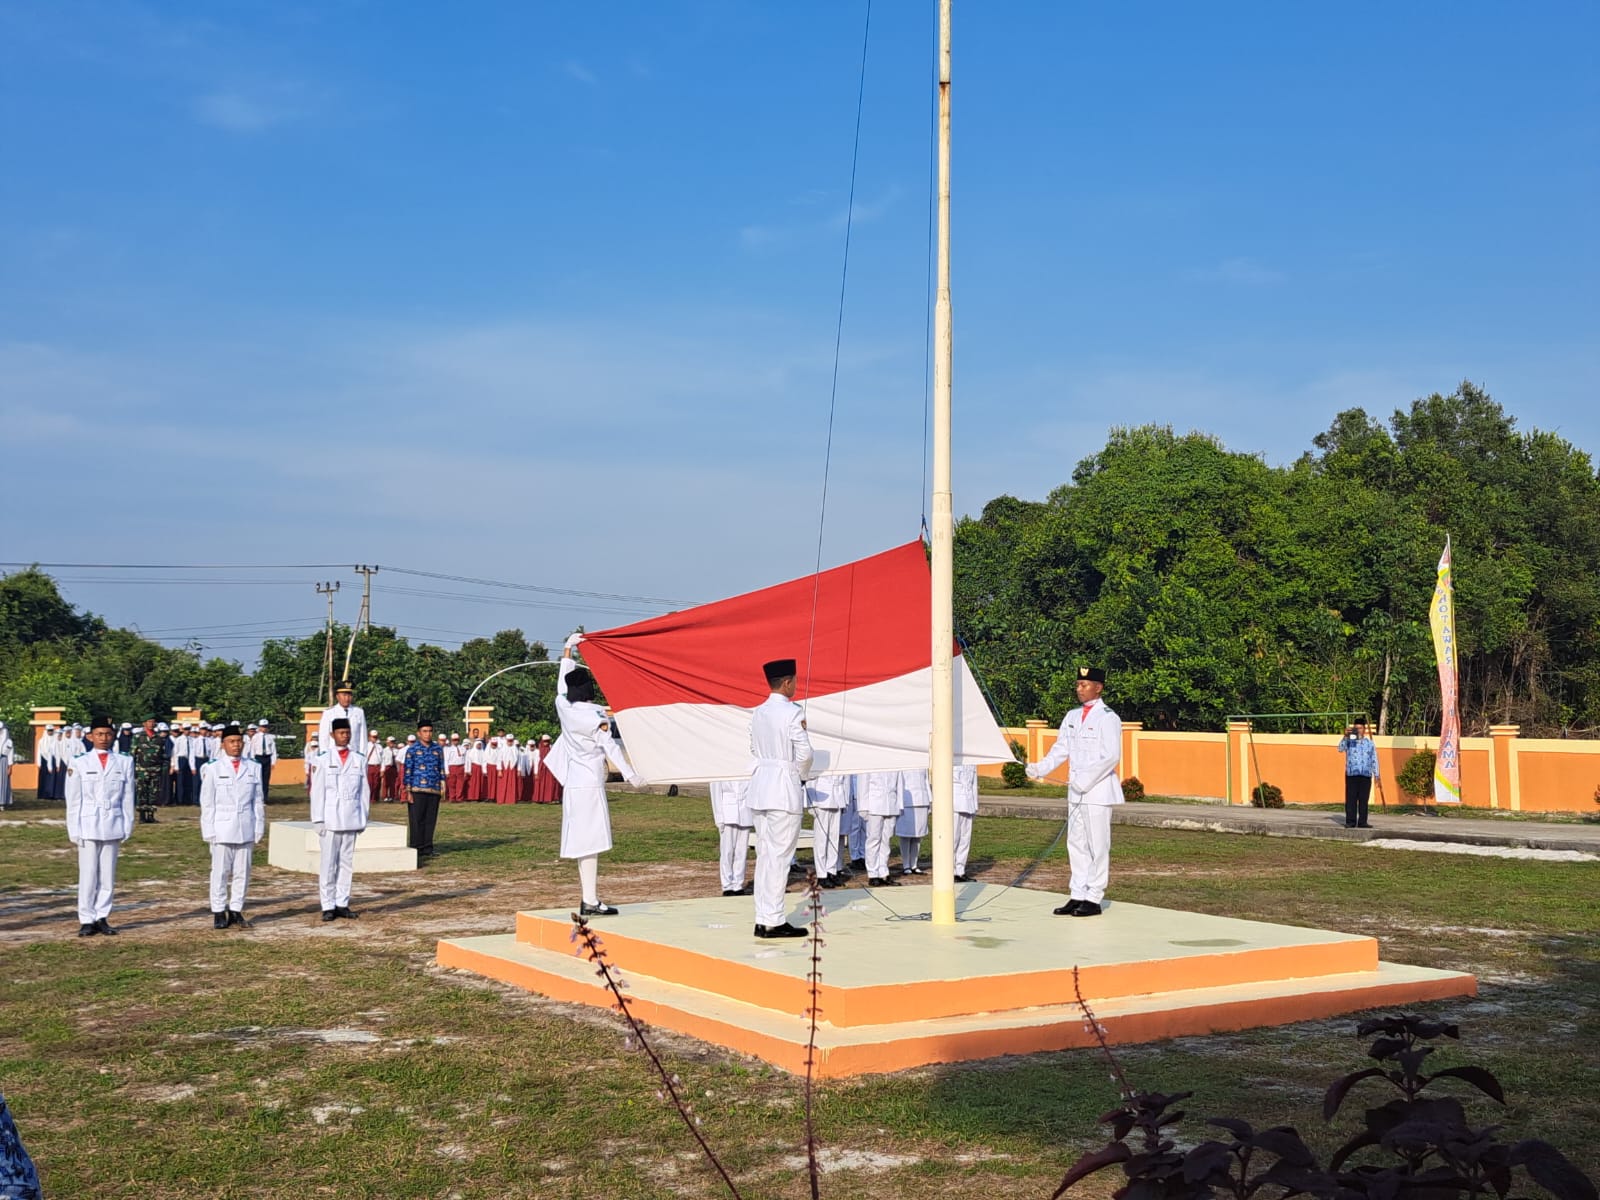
<point x="421" y="816"/>
<point x="264" y="761"/>
<point x="1357" y="791"/>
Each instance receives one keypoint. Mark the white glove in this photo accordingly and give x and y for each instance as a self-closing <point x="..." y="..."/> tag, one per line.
<point x="572" y="643"/>
<point x="319" y="826"/>
<point x="1033" y="771"/>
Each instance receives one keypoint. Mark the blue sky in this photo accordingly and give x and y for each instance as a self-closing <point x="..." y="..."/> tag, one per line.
<point x="546" y="292"/>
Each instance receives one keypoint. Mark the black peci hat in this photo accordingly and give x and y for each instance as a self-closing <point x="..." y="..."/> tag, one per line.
<point x="232" y="731"/>
<point x="100" y="723"/>
<point x="580" y="684"/>
<point x="1092" y="674"/>
<point x="778" y="669"/>
<point x="339" y="723"/>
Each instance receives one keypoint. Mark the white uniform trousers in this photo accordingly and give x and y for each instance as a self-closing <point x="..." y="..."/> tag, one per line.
<point x="857" y="830"/>
<point x="825" y="840"/>
<point x="1089" y="850"/>
<point x="963" y="832"/>
<point x="777" y="832"/>
<point x="230" y="875"/>
<point x="338" y="867"/>
<point x="97" y="875"/>
<point x="735" y="855"/>
<point x="879" y="830"/>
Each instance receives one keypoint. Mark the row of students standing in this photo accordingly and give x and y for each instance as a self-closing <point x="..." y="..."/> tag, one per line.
<point x="855" y="820"/>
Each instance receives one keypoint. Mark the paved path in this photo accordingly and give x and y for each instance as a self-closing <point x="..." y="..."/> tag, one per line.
<point x="1313" y="823"/>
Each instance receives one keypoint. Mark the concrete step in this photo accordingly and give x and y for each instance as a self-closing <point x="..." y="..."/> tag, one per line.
<point x="380" y="848"/>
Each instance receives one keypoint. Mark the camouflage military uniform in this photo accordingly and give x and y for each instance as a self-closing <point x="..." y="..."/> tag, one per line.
<point x="150" y="765"/>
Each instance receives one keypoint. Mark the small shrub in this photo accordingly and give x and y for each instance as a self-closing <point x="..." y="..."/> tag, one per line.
<point x="1416" y="777"/>
<point x="1266" y="795"/>
<point x="1421" y="1143"/>
<point x="1132" y="789"/>
<point x="1015" y="774"/>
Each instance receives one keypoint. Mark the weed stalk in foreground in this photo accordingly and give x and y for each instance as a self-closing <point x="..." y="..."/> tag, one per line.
<point x="590" y="947"/>
<point x="814" y="977"/>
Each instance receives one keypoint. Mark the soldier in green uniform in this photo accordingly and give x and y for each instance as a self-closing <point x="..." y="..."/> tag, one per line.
<point x="150" y="765"/>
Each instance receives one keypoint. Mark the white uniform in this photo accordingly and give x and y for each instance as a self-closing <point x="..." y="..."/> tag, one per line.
<point x="829" y="798"/>
<point x="730" y="809"/>
<point x="340" y="801"/>
<point x="911" y="826"/>
<point x="1090" y="742"/>
<point x="233" y="818"/>
<point x="8" y="755"/>
<point x="966" y="806"/>
<point x="781" y="755"/>
<point x="358" y="726"/>
<point x="578" y="760"/>
<point x="100" y="806"/>
<point x="878" y="802"/>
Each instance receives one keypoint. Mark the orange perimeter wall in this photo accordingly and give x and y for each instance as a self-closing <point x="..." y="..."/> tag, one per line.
<point x="1502" y="771"/>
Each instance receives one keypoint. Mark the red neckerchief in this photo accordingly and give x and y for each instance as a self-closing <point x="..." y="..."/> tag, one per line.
<point x="344" y="755"/>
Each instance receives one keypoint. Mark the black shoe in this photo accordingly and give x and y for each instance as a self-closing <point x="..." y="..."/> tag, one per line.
<point x="1363" y="825"/>
<point x="829" y="881"/>
<point x="1069" y="909"/>
<point x="963" y="878"/>
<point x="858" y="864"/>
<point x="785" y="930"/>
<point x="1349" y="824"/>
<point x="596" y="910"/>
<point x="87" y="930"/>
<point x="797" y="868"/>
<point x="237" y="918"/>
<point x="219" y="920"/>
<point x="345" y="911"/>
<point x="885" y="881"/>
<point x="748" y="889"/>
<point x="330" y="914"/>
<point x="733" y="891"/>
<point x="1087" y="908"/>
<point x="104" y="926"/>
<point x="911" y="870"/>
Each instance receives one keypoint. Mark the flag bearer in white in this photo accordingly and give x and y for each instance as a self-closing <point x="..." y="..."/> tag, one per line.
<point x="340" y="802"/>
<point x="1090" y="742"/>
<point x="233" y="816"/>
<point x="878" y="802"/>
<point x="100" y="804"/>
<point x="579" y="761"/>
<point x="781" y="750"/>
<point x="966" y="806"/>
<point x="829" y="797"/>
<point x="730" y="809"/>
<point x="911" y="826"/>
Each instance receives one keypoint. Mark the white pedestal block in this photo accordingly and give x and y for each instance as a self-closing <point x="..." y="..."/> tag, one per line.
<point x="380" y="847"/>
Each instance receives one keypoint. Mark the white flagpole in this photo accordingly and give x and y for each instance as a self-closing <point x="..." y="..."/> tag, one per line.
<point x="941" y="757"/>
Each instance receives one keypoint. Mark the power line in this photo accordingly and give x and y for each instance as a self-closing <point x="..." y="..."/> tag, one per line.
<point x="468" y="579"/>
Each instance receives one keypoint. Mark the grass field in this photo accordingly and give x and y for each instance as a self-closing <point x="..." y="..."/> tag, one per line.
<point x="301" y="1059"/>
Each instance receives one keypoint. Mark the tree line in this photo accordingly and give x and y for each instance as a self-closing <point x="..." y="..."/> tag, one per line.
<point x="52" y="653"/>
<point x="1211" y="583"/>
<point x="1207" y="581"/>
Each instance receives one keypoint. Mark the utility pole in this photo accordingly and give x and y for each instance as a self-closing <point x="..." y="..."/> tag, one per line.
<point x="364" y="621"/>
<point x="328" y="589"/>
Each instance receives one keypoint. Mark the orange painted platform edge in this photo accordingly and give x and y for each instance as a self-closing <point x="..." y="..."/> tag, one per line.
<point x="933" y="999"/>
<point x="902" y="1053"/>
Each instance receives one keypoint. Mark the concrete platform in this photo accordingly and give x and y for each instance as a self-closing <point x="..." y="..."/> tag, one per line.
<point x="380" y="848"/>
<point x="903" y="993"/>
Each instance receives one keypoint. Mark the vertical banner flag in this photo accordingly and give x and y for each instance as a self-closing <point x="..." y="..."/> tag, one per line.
<point x="682" y="685"/>
<point x="1442" y="619"/>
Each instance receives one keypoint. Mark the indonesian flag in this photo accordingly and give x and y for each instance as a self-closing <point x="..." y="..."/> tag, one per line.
<point x="682" y="685"/>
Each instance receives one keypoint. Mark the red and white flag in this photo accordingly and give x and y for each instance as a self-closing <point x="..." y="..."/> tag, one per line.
<point x="682" y="685"/>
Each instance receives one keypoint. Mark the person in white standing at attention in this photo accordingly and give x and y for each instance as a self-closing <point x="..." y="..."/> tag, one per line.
<point x="781" y="750"/>
<point x="730" y="809"/>
<point x="579" y="762"/>
<point x="7" y="757"/>
<point x="233" y="816"/>
<point x="965" y="783"/>
<point x="340" y="802"/>
<point x="100" y="806"/>
<point x="829" y="796"/>
<point x="1090" y="742"/>
<point x="343" y="709"/>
